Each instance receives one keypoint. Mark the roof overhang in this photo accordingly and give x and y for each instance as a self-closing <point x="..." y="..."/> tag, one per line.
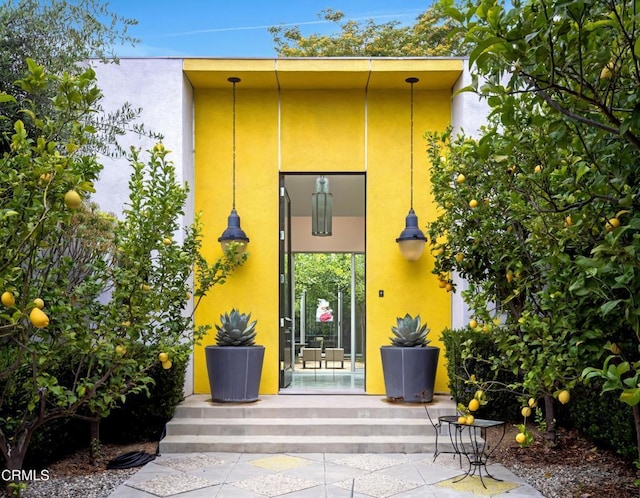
<point x="325" y="73"/>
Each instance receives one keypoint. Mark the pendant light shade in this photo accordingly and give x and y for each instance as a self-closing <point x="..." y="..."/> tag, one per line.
<point x="321" y="208"/>
<point x="411" y="241"/>
<point x="233" y="232"/>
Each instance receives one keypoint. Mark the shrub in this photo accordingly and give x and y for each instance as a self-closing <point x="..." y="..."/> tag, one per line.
<point x="603" y="419"/>
<point x="466" y="351"/>
<point x="142" y="417"/>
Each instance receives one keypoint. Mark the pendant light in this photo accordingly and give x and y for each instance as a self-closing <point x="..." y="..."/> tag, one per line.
<point x="321" y="208"/>
<point x="233" y="232"/>
<point x="411" y="241"/>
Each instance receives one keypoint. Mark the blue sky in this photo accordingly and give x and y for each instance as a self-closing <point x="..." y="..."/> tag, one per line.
<point x="212" y="28"/>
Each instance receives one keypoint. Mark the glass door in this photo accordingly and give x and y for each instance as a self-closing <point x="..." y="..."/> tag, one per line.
<point x="287" y="349"/>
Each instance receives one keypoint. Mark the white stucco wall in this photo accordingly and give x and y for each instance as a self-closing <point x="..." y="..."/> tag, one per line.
<point x="468" y="114"/>
<point x="160" y="89"/>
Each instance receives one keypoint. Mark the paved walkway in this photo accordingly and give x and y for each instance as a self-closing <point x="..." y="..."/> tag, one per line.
<point x="313" y="475"/>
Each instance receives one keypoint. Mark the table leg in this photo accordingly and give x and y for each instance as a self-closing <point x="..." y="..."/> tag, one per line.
<point x="476" y="454"/>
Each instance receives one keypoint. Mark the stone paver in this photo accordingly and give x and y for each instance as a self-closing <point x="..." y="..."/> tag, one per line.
<point x="243" y="475"/>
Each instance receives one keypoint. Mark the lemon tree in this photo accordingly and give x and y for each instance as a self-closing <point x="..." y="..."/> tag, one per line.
<point x="551" y="239"/>
<point x="90" y="302"/>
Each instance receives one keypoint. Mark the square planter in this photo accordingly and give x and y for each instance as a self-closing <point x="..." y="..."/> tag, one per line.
<point x="409" y="373"/>
<point x="234" y="372"/>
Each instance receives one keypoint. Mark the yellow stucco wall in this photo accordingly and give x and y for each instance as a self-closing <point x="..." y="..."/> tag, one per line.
<point x="254" y="287"/>
<point x="310" y="127"/>
<point x="409" y="287"/>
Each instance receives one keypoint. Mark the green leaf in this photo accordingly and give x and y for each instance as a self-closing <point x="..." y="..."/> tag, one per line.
<point x="630" y="396"/>
<point x="483" y="47"/>
<point x="4" y="97"/>
<point x="609" y="306"/>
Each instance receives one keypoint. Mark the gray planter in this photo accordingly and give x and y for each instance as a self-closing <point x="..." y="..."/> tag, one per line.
<point x="409" y="373"/>
<point x="234" y="372"/>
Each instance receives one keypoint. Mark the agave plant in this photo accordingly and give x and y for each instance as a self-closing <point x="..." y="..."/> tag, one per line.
<point x="235" y="329"/>
<point x="409" y="333"/>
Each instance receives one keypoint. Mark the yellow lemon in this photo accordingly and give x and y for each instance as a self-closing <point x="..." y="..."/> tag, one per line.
<point x="72" y="199"/>
<point x="612" y="224"/>
<point x="473" y="203"/>
<point x="462" y="419"/>
<point x="167" y="364"/>
<point x="520" y="438"/>
<point x="461" y="178"/>
<point x="162" y="357"/>
<point x="473" y="323"/>
<point x="120" y="350"/>
<point x="537" y="169"/>
<point x="470" y="419"/>
<point x="38" y="318"/>
<point x="39" y="303"/>
<point x="8" y="299"/>
<point x="167" y="241"/>
<point x="564" y="397"/>
<point x="526" y="411"/>
<point x="474" y="404"/>
<point x="607" y="71"/>
<point x="533" y="402"/>
<point x="449" y="287"/>
<point x="459" y="257"/>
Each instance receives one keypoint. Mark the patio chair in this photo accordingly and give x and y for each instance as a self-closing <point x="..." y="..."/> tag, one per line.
<point x="334" y="355"/>
<point x="311" y="354"/>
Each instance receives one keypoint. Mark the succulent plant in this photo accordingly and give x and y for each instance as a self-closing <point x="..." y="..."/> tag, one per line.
<point x="409" y="333"/>
<point x="235" y="329"/>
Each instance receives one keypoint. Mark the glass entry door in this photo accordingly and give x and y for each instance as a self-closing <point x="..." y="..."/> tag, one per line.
<point x="287" y="349"/>
<point x="322" y="300"/>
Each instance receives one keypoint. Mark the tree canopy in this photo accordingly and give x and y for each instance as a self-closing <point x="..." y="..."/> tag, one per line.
<point x="62" y="35"/>
<point x="431" y="35"/>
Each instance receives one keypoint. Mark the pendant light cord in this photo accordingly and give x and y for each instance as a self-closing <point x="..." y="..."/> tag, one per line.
<point x="234" y="80"/>
<point x="411" y="81"/>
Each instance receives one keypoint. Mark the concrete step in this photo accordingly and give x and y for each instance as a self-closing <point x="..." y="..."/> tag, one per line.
<point x="300" y="426"/>
<point x="312" y="406"/>
<point x="307" y="444"/>
<point x="306" y="424"/>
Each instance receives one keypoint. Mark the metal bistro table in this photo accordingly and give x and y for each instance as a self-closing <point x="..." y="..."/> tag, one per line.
<point x="475" y="447"/>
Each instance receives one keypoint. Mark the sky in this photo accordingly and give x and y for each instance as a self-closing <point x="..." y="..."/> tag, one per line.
<point x="239" y="28"/>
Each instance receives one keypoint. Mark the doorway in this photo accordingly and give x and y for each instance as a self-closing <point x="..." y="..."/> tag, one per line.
<point x="322" y="288"/>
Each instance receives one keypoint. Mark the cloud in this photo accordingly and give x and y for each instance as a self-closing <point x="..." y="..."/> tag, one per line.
<point x="412" y="14"/>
